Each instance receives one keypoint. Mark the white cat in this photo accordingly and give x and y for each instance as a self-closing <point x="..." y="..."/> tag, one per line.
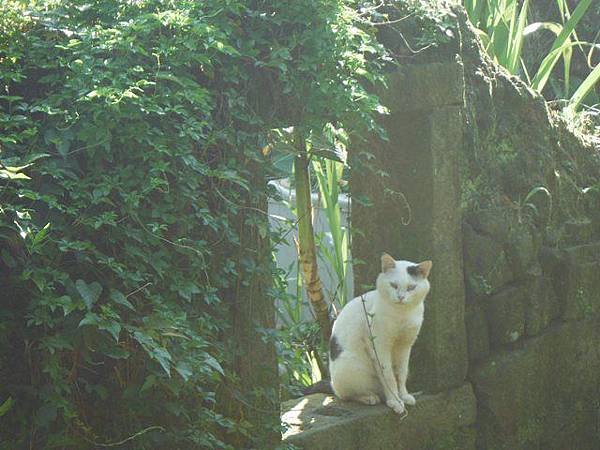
<point x="368" y="358"/>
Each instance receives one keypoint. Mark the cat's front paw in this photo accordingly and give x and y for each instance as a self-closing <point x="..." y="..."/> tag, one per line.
<point x="396" y="405"/>
<point x="408" y="399"/>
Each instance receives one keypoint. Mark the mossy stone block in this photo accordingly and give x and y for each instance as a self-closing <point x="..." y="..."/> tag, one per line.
<point x="486" y="265"/>
<point x="543" y="306"/>
<point x="477" y="332"/>
<point x="578" y="231"/>
<point x="521" y="250"/>
<point x="544" y="394"/>
<point x="424" y="87"/>
<point x="581" y="294"/>
<point x="493" y="222"/>
<point x="505" y="312"/>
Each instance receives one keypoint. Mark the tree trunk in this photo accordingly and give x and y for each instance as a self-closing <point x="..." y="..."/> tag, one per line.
<point x="306" y="239"/>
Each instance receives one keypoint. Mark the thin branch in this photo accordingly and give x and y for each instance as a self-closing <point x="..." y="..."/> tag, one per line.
<point x="139" y="289"/>
<point x="130" y="438"/>
<point x="367" y="10"/>
<point x="410" y="49"/>
<point x="392" y="22"/>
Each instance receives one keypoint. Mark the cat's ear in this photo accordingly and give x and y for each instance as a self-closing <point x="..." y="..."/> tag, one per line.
<point x="420" y="270"/>
<point x="387" y="262"/>
<point x="425" y="268"/>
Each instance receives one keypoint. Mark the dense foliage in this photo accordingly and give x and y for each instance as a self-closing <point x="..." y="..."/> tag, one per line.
<point x="131" y="143"/>
<point x="505" y="30"/>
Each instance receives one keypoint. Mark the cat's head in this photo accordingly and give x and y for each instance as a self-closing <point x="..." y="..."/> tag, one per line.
<point x="403" y="282"/>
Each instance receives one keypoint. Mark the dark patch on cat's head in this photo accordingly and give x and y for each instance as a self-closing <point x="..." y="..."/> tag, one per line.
<point x="420" y="270"/>
<point x="413" y="270"/>
<point x="335" y="349"/>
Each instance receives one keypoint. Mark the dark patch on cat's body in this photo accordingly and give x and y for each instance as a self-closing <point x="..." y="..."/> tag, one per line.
<point x="335" y="349"/>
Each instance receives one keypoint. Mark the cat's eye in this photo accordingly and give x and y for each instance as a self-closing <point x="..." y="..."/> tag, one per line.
<point x="411" y="287"/>
<point x="394" y="285"/>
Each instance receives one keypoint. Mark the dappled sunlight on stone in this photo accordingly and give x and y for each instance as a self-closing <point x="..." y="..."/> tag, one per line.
<point x="298" y="415"/>
<point x="321" y="421"/>
<point x="327" y="401"/>
<point x="292" y="416"/>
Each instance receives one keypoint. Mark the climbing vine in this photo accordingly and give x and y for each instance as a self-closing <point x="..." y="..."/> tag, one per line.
<point x="131" y="143"/>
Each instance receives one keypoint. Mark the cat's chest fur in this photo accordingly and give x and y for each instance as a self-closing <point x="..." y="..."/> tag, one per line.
<point x="399" y="328"/>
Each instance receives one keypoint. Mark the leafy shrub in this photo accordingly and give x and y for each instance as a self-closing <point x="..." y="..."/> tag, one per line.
<point x="127" y="114"/>
<point x="130" y="151"/>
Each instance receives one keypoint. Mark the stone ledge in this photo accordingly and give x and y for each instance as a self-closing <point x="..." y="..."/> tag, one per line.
<point x="440" y="421"/>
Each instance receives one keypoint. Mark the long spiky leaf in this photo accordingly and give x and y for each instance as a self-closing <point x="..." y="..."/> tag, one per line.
<point x="543" y="74"/>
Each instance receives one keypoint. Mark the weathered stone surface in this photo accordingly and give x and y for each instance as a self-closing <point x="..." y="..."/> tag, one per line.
<point x="577" y="281"/>
<point x="578" y="231"/>
<point x="486" y="265"/>
<point x="517" y="238"/>
<point x="420" y="220"/>
<point x="477" y="332"/>
<point x="544" y="395"/>
<point x="441" y="421"/>
<point x="492" y="222"/>
<point x="521" y="251"/>
<point x="550" y="260"/>
<point x="543" y="306"/>
<point x="505" y="312"/>
<point x="444" y="335"/>
<point x="424" y="87"/>
<point x="581" y="294"/>
<point x="581" y="254"/>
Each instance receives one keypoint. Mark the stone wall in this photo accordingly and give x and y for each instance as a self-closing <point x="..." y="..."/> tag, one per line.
<point x="415" y="211"/>
<point x="505" y="200"/>
<point x="531" y="235"/>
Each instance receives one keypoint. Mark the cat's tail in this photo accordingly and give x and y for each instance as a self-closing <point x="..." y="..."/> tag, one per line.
<point x="322" y="387"/>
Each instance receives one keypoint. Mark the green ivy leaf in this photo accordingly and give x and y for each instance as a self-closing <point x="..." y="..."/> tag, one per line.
<point x="184" y="370"/>
<point x="89" y="292"/>
<point x="155" y="352"/>
<point x="118" y="297"/>
<point x="163" y="357"/>
<point x="188" y="289"/>
<point x="66" y="303"/>
<point x="212" y="362"/>
<point x="148" y="383"/>
<point x="90" y="319"/>
<point x="116" y="352"/>
<point x="5" y="407"/>
<point x="113" y="327"/>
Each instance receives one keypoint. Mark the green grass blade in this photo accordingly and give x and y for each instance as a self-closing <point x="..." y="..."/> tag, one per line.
<point x="499" y="43"/>
<point x="567" y="54"/>
<point x="517" y="40"/>
<point x="584" y="88"/>
<point x="541" y="77"/>
<point x="556" y="28"/>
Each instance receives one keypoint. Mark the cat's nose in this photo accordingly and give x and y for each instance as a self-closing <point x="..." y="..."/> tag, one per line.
<point x="411" y="287"/>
